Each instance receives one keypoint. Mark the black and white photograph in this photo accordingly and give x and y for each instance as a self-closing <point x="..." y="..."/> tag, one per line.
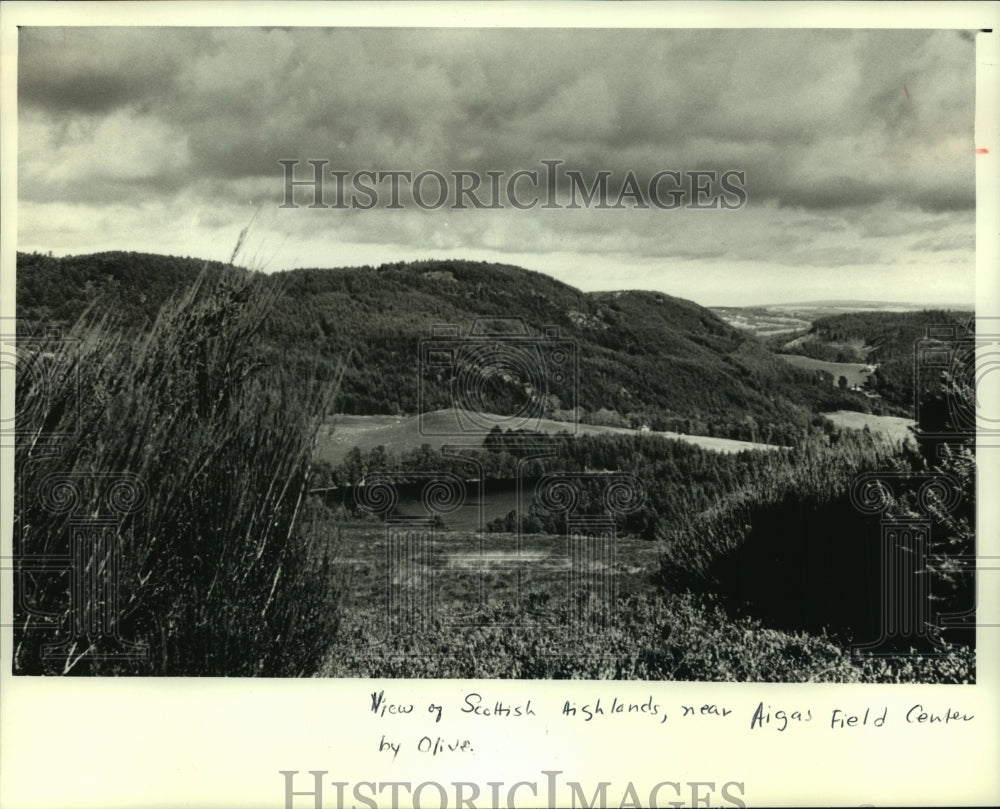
<point x="486" y="352"/>
<point x="496" y="354"/>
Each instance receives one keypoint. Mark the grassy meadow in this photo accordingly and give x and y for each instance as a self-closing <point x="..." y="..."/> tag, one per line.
<point x="342" y="433"/>
<point x="855" y="373"/>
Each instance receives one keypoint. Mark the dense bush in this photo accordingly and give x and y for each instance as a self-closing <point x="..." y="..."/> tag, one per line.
<point x="795" y="550"/>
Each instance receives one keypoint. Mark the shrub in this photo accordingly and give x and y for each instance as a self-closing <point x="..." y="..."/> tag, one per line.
<point x="675" y="637"/>
<point x="216" y="573"/>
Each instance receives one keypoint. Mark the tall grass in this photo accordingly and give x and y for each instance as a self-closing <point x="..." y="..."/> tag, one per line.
<point x="216" y="573"/>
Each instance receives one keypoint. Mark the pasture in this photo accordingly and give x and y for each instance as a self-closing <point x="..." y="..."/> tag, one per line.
<point x="340" y="434"/>
<point x="892" y="427"/>
<point x="856" y="373"/>
<point x="762" y="321"/>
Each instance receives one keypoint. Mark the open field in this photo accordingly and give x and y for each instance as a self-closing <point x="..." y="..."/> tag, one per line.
<point x="856" y="373"/>
<point x="761" y="322"/>
<point x="340" y="434"/>
<point x="892" y="427"/>
<point x="471" y="571"/>
<point x="857" y="348"/>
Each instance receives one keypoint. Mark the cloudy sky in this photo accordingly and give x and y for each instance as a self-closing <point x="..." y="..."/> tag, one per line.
<point x="857" y="148"/>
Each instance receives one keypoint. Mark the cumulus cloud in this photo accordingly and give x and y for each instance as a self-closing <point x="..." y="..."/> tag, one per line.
<point x="851" y="141"/>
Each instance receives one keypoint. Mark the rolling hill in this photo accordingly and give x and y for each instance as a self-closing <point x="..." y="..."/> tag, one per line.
<point x="632" y="358"/>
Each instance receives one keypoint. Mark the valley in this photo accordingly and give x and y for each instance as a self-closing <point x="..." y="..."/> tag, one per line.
<point x="461" y="469"/>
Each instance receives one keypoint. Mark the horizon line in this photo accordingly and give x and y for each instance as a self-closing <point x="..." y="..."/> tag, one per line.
<point x="963" y="304"/>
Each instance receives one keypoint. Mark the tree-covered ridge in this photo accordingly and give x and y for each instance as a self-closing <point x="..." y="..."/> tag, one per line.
<point x="677" y="480"/>
<point x="54" y="292"/>
<point x="648" y="357"/>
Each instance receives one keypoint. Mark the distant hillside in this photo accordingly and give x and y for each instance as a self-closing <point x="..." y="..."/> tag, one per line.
<point x="761" y="321"/>
<point x="643" y="358"/>
<point x="886" y="340"/>
<point x="812" y="310"/>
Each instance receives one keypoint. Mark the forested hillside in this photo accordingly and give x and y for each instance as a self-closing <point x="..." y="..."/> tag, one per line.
<point x="886" y="340"/>
<point x="643" y="357"/>
<point x="54" y="292"/>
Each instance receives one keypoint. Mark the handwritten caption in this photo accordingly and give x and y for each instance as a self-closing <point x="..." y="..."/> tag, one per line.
<point x="762" y="717"/>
